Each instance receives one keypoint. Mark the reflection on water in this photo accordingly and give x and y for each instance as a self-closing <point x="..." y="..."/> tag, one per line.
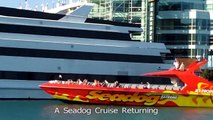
<point x="56" y="110"/>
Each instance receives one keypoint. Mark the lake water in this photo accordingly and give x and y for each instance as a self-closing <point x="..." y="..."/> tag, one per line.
<point x="57" y="110"/>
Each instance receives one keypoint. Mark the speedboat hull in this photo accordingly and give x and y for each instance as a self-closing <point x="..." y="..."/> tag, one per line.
<point x="125" y="96"/>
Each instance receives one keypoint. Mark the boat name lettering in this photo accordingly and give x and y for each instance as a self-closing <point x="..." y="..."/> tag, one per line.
<point x="203" y="91"/>
<point x="169" y="96"/>
<point x="135" y="97"/>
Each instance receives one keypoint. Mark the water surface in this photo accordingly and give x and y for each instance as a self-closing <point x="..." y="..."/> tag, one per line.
<point x="57" y="110"/>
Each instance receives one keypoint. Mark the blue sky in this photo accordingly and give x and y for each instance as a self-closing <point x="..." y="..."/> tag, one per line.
<point x="32" y="3"/>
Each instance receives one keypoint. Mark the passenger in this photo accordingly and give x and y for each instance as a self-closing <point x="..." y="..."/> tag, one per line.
<point x="85" y="82"/>
<point x="72" y="82"/>
<point x="79" y="81"/>
<point x="142" y="84"/>
<point x="182" y="67"/>
<point x="147" y="86"/>
<point x="96" y="83"/>
<point x="116" y="84"/>
<point x="174" y="81"/>
<point x="69" y="81"/>
<point x="177" y="64"/>
<point x="63" y="82"/>
<point x="105" y="83"/>
<point x="59" y="82"/>
<point x="60" y="77"/>
<point x="89" y="83"/>
<point x="55" y="81"/>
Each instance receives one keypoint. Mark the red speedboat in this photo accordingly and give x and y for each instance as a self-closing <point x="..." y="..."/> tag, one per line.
<point x="187" y="89"/>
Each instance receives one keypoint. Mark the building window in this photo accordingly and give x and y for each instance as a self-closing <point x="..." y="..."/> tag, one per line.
<point x="179" y="6"/>
<point x="182" y="24"/>
<point x="183" y="39"/>
<point x="209" y="7"/>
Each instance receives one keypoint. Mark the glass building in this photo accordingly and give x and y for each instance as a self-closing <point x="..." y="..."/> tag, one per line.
<point x="209" y="7"/>
<point x="130" y="11"/>
<point x="183" y="25"/>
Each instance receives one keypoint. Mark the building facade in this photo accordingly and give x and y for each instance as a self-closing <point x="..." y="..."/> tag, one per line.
<point x="209" y="8"/>
<point x="183" y="25"/>
<point x="130" y="11"/>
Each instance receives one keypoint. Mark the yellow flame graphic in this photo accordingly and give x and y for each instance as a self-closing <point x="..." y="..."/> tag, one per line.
<point x="67" y="97"/>
<point x="62" y="96"/>
<point x="77" y="98"/>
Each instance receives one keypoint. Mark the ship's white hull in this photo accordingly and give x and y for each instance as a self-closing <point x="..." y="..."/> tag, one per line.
<point x="35" y="49"/>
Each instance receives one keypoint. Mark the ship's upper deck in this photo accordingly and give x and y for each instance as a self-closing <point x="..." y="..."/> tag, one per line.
<point x="119" y="31"/>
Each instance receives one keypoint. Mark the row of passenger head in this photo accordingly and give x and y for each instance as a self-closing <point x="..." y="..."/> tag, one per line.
<point x="105" y="83"/>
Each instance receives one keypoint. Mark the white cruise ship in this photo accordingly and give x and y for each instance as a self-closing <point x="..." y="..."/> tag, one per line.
<point x="37" y="46"/>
